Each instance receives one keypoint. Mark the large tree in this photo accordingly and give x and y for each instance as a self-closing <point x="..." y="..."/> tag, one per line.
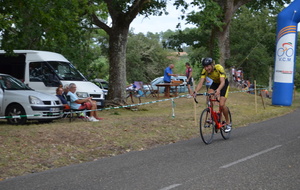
<point x="216" y="15"/>
<point x="252" y="43"/>
<point x="122" y="13"/>
<point x="58" y="24"/>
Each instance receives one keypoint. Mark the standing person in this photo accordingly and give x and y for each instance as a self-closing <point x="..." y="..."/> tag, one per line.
<point x="189" y="78"/>
<point x="208" y="83"/>
<point x="233" y="74"/>
<point x="168" y="73"/>
<point x="220" y="85"/>
<point x="239" y="75"/>
<point x="86" y="103"/>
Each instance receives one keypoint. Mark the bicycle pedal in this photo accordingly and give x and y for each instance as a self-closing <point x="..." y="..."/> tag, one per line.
<point x="209" y="121"/>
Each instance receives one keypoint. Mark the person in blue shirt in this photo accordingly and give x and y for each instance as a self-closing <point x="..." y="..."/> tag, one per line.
<point x="86" y="103"/>
<point x="168" y="73"/>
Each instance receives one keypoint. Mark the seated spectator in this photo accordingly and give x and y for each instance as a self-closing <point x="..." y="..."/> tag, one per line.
<point x="66" y="90"/>
<point x="132" y="86"/>
<point x="59" y="92"/>
<point x="86" y="103"/>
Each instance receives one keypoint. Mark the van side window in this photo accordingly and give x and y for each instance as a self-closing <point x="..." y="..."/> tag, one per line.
<point x="35" y="72"/>
<point x="13" y="65"/>
<point x="42" y="72"/>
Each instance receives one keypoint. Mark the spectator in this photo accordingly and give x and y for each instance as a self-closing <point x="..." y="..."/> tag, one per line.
<point x="208" y="82"/>
<point x="168" y="73"/>
<point x="189" y="79"/>
<point x="233" y="73"/>
<point x="59" y="94"/>
<point x="86" y="103"/>
<point x="239" y="75"/>
<point x="65" y="91"/>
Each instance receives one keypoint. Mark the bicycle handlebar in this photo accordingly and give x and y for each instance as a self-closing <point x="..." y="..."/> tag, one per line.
<point x="204" y="94"/>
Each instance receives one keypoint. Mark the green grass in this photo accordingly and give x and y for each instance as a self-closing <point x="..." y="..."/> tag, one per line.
<point x="37" y="147"/>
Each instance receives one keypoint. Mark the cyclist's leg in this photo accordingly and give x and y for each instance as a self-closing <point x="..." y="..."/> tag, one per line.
<point x="224" y="109"/>
<point x="223" y="98"/>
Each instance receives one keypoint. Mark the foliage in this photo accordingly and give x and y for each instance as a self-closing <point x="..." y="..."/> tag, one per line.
<point x="258" y="29"/>
<point x="145" y="57"/>
<point x="216" y="16"/>
<point x="57" y="26"/>
<point x="297" y="67"/>
<point x="98" y="69"/>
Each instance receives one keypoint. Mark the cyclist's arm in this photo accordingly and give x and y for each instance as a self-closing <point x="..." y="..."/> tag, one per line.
<point x="222" y="83"/>
<point x="200" y="84"/>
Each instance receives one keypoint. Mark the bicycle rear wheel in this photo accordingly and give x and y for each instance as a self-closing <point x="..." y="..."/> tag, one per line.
<point x="207" y="126"/>
<point x="226" y="135"/>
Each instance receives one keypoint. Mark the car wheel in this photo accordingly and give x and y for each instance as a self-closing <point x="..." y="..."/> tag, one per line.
<point x="16" y="110"/>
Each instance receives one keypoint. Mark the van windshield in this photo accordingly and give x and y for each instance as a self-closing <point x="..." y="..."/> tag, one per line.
<point x="66" y="71"/>
<point x="11" y="83"/>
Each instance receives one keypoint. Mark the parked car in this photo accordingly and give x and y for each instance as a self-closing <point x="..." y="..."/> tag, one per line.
<point x="103" y="84"/>
<point x="17" y="99"/>
<point x="182" y="88"/>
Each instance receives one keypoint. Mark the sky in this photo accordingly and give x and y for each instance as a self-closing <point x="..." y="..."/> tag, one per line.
<point x="160" y="23"/>
<point x="157" y="24"/>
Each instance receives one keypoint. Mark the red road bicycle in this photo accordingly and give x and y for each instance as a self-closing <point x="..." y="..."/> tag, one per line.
<point x="211" y="121"/>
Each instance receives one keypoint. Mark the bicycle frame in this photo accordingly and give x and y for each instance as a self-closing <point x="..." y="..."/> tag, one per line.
<point x="211" y="99"/>
<point x="211" y="120"/>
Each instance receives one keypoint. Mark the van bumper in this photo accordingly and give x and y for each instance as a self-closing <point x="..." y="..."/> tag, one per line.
<point x="100" y="103"/>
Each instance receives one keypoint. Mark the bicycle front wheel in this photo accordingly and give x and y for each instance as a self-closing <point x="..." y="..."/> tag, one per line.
<point x="207" y="126"/>
<point x="223" y="133"/>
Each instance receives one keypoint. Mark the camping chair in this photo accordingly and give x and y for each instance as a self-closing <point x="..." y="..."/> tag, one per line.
<point x="140" y="87"/>
<point x="72" y="113"/>
<point x="153" y="92"/>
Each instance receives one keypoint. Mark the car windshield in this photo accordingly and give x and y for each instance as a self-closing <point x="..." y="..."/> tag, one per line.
<point x="11" y="83"/>
<point x="66" y="71"/>
<point x="105" y="85"/>
<point x="157" y="80"/>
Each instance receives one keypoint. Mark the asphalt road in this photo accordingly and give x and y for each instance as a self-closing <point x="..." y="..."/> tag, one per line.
<point x="262" y="155"/>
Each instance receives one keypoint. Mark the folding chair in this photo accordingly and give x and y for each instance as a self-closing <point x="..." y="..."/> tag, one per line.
<point x="140" y="87"/>
<point x="73" y="113"/>
<point x="153" y="92"/>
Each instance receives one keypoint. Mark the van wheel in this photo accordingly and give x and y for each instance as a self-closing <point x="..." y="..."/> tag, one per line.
<point x="15" y="110"/>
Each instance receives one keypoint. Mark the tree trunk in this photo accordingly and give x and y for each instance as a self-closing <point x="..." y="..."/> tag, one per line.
<point x="229" y="7"/>
<point x="117" y="67"/>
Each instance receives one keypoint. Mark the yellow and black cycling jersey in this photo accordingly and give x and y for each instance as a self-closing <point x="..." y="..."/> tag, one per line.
<point x="216" y="74"/>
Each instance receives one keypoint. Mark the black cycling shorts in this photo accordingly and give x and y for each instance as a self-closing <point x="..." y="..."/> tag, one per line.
<point x="224" y="90"/>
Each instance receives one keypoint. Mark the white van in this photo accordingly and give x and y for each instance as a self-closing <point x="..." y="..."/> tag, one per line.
<point x="44" y="71"/>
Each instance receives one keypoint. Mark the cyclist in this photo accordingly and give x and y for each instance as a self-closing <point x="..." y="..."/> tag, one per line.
<point x="220" y="85"/>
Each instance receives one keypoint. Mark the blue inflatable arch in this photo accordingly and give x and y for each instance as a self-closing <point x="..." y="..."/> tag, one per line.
<point x="285" y="55"/>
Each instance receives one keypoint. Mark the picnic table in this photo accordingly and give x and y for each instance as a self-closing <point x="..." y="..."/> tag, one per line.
<point x="168" y="89"/>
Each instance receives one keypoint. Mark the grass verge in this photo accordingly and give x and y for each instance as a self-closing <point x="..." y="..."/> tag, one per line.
<point x="37" y="147"/>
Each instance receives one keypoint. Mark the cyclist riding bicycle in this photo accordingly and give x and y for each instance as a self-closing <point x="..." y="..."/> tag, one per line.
<point x="220" y="85"/>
